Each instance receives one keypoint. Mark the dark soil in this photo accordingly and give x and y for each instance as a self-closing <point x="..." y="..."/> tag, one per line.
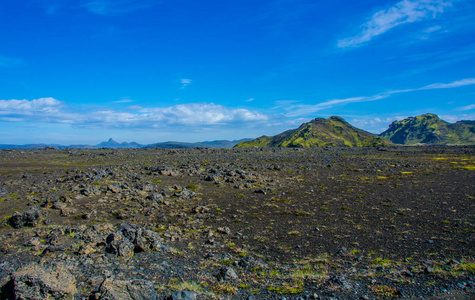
<point x="324" y="223"/>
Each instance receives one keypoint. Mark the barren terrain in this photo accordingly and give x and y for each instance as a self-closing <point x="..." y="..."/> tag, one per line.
<point x="273" y="223"/>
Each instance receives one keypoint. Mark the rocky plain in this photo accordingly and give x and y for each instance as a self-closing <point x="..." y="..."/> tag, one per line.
<point x="270" y="223"/>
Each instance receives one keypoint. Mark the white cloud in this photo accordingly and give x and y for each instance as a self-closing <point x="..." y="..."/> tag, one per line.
<point x="6" y="119"/>
<point x="459" y="83"/>
<point x="375" y="124"/>
<point x="302" y="110"/>
<point x="125" y="100"/>
<point x="50" y="110"/>
<point x="204" y="114"/>
<point x="250" y="99"/>
<point x="432" y="29"/>
<point x="406" y="11"/>
<point x="455" y="118"/>
<point x="185" y="82"/>
<point x="468" y="107"/>
<point x="299" y="110"/>
<point x="43" y="106"/>
<point x="135" y="107"/>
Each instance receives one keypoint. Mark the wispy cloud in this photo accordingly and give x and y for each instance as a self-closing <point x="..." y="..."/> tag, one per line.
<point x="455" y="84"/>
<point x="250" y="99"/>
<point x="125" y="100"/>
<point x="185" y="82"/>
<point x="455" y="118"/>
<point x="374" y="124"/>
<point x="135" y="107"/>
<point x="50" y="110"/>
<point x="468" y="107"/>
<point x="117" y="7"/>
<point x="406" y="11"/>
<point x="302" y="110"/>
<point x="432" y="29"/>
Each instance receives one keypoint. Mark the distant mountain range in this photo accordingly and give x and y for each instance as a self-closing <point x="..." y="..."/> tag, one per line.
<point x="115" y="145"/>
<point x="429" y="129"/>
<point x="331" y="132"/>
<point x="212" y="144"/>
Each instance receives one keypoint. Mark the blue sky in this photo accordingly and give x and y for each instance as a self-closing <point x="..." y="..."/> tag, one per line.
<point x="81" y="71"/>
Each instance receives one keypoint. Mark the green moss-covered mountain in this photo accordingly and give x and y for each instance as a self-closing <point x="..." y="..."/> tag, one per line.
<point x="331" y="132"/>
<point x="429" y="129"/>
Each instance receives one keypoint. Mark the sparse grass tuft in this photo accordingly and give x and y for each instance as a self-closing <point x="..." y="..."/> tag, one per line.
<point x="224" y="289"/>
<point x="286" y="289"/>
<point x="467" y="267"/>
<point x="186" y="286"/>
<point x="385" y="291"/>
<point x="381" y="262"/>
<point x="192" y="187"/>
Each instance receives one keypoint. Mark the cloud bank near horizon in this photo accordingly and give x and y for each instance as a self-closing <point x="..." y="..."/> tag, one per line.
<point x="51" y="110"/>
<point x="200" y="117"/>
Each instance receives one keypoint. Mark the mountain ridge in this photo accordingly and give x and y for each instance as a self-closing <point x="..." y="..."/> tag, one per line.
<point x="320" y="132"/>
<point x="426" y="129"/>
<point x="112" y="144"/>
<point x="429" y="129"/>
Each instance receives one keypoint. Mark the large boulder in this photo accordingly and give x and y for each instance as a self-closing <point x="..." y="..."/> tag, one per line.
<point x="29" y="218"/>
<point x="36" y="282"/>
<point x="130" y="239"/>
<point x="119" y="245"/>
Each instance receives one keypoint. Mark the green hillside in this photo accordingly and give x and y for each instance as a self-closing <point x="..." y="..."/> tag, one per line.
<point x="429" y="129"/>
<point x="331" y="132"/>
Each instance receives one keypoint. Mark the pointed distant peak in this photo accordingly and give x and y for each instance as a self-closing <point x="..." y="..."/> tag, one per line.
<point x="111" y="141"/>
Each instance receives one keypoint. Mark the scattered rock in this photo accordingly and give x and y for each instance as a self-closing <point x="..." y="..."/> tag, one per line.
<point x="224" y="230"/>
<point x="126" y="290"/>
<point x="59" y="205"/>
<point x="119" y="245"/>
<point x="181" y="295"/>
<point x="35" y="282"/>
<point x="29" y="218"/>
<point x="226" y="273"/>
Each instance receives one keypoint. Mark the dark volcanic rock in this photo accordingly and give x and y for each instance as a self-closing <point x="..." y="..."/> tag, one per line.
<point x="119" y="245"/>
<point x="181" y="295"/>
<point x="29" y="218"/>
<point x="130" y="239"/>
<point x="226" y="273"/>
<point x="35" y="282"/>
<point x="126" y="290"/>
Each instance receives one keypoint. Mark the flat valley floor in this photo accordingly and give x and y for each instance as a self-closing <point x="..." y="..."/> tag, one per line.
<point x="274" y="223"/>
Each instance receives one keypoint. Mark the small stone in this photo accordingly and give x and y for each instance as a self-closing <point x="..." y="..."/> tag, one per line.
<point x="462" y="285"/>
<point x="227" y="273"/>
<point x="224" y="230"/>
<point x="182" y="295"/>
<point x="407" y="273"/>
